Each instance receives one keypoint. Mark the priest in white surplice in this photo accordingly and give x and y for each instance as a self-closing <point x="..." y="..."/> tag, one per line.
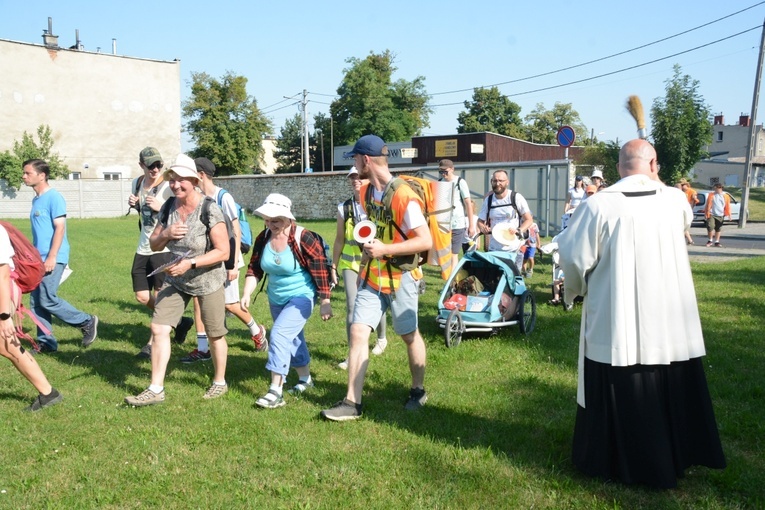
<point x="644" y="412"/>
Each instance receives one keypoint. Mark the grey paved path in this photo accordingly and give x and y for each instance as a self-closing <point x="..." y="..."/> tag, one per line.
<point x="754" y="231"/>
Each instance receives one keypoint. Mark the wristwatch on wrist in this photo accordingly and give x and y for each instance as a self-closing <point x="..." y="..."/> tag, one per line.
<point x="193" y="263"/>
<point x="4" y="316"/>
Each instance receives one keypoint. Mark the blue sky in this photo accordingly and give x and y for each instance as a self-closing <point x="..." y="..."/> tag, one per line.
<point x="285" y="47"/>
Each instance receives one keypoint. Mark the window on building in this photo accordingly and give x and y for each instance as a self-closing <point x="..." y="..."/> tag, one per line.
<point x="75" y="176"/>
<point x="112" y="176"/>
<point x="719" y="136"/>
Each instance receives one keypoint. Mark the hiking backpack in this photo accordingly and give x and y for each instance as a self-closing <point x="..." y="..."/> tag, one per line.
<point x="512" y="204"/>
<point x="440" y="252"/>
<point x="28" y="272"/>
<point x="205" y="217"/>
<point x="299" y="242"/>
<point x="29" y="267"/>
<point x="246" y="242"/>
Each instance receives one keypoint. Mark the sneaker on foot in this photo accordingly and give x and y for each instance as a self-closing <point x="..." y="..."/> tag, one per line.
<point x="146" y="398"/>
<point x="344" y="410"/>
<point x="301" y="387"/>
<point x="42" y="348"/>
<point x="182" y="329"/>
<point x="417" y="399"/>
<point x="215" y="391"/>
<point x="89" y="331"/>
<point x="709" y="243"/>
<point x="270" y="400"/>
<point x="196" y="355"/>
<point x="43" y="401"/>
<point x="718" y="245"/>
<point x="380" y="346"/>
<point x="260" y="340"/>
<point x="145" y="352"/>
<point x="343" y="365"/>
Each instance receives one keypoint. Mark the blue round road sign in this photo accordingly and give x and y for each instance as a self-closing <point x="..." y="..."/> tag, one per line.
<point x="566" y="136"/>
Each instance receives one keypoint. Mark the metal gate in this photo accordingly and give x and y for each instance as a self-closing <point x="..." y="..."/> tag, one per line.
<point x="544" y="185"/>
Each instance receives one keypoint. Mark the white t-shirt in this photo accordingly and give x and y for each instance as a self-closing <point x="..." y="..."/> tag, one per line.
<point x="460" y="192"/>
<point x="358" y="212"/>
<point x="6" y="250"/>
<point x="413" y="216"/>
<point x="505" y="214"/>
<point x="577" y="195"/>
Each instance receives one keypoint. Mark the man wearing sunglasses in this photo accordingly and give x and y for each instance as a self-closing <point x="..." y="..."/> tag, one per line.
<point x="149" y="192"/>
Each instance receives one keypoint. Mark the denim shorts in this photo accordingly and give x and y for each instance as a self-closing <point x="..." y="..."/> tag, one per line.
<point x="371" y="305"/>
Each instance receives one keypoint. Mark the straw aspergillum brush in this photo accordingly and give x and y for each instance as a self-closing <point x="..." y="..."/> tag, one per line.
<point x="635" y="107"/>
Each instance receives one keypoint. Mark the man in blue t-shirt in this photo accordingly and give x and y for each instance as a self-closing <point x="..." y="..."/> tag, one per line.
<point x="48" y="218"/>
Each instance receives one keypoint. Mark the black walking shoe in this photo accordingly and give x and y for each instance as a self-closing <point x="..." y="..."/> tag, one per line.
<point x="342" y="411"/>
<point x="43" y="401"/>
<point x="145" y="352"/>
<point x="89" y="331"/>
<point x="417" y="399"/>
<point x="182" y="329"/>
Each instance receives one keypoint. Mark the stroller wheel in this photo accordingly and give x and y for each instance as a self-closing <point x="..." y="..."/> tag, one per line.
<point x="454" y="329"/>
<point x="527" y="313"/>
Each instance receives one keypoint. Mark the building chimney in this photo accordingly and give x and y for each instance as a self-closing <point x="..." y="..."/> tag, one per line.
<point x="719" y="120"/>
<point x="114" y="46"/>
<point x="49" y="39"/>
<point x="743" y="120"/>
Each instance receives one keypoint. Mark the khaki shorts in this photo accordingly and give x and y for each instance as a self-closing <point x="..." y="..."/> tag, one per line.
<point x="171" y="304"/>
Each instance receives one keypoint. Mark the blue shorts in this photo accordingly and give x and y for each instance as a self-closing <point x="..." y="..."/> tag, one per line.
<point x="371" y="305"/>
<point x="529" y="253"/>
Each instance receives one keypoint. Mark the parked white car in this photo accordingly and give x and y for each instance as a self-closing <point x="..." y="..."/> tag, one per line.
<point x="698" y="209"/>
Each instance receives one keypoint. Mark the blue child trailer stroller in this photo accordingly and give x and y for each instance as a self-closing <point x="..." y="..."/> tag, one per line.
<point x="484" y="293"/>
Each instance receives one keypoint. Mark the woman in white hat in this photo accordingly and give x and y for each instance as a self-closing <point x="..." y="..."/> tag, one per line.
<point x="293" y="259"/>
<point x="201" y="242"/>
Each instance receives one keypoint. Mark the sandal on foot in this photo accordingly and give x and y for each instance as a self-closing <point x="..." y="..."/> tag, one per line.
<point x="300" y="387"/>
<point x="270" y="400"/>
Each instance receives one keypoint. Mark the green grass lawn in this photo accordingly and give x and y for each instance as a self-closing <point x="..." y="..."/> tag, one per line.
<point x="496" y="432"/>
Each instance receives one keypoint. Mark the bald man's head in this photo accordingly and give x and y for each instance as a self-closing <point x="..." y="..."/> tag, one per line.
<point x="638" y="157"/>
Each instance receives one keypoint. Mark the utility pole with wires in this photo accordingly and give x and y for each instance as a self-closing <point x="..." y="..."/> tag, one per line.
<point x="306" y="139"/>
<point x="752" y="146"/>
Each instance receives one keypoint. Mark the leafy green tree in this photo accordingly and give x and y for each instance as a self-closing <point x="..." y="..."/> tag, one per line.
<point x="289" y="149"/>
<point x="491" y="111"/>
<point x="542" y="125"/>
<point x="225" y="123"/>
<point x="680" y="127"/>
<point x="604" y="155"/>
<point x="27" y="148"/>
<point x="370" y="102"/>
